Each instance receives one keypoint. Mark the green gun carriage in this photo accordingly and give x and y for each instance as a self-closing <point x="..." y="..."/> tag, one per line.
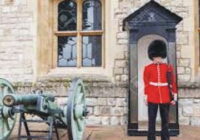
<point x="70" y="117"/>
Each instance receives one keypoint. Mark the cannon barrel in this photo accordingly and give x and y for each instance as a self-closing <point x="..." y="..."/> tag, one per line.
<point x="29" y="99"/>
<point x="12" y="100"/>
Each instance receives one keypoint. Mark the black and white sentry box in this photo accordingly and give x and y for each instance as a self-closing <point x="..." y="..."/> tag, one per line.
<point x="150" y="22"/>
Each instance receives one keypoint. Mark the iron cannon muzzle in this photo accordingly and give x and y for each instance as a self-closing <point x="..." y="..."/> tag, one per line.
<point x="9" y="100"/>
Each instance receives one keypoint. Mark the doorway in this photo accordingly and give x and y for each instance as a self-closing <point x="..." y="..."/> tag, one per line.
<point x="143" y="60"/>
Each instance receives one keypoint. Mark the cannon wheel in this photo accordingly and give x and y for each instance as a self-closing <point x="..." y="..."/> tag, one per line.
<point x="6" y="122"/>
<point x="76" y="110"/>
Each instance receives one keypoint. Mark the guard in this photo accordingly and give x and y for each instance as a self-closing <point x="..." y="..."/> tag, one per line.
<point x="160" y="89"/>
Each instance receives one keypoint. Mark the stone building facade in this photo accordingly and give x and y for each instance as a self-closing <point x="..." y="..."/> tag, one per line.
<point x="107" y="86"/>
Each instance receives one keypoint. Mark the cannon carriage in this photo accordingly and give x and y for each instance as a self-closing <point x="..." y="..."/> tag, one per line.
<point x="71" y="117"/>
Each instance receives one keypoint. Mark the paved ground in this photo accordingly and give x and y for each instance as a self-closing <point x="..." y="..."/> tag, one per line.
<point x="119" y="133"/>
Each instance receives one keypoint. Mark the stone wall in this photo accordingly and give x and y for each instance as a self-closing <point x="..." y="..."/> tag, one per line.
<point x="16" y="39"/>
<point x="108" y="104"/>
<point x="189" y="106"/>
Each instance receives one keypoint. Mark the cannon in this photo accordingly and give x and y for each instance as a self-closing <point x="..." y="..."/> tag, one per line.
<point x="70" y="117"/>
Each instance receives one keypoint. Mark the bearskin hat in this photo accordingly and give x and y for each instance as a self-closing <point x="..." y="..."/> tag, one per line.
<point x="157" y="48"/>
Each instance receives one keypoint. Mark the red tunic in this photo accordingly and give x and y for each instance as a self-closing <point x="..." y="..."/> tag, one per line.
<point x="155" y="81"/>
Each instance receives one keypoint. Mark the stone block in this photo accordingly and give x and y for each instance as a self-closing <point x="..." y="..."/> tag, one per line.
<point x="114" y="120"/>
<point x="117" y="111"/>
<point x="20" y="2"/>
<point x="5" y="9"/>
<point x="96" y="110"/>
<point x="180" y="70"/>
<point x="184" y="77"/>
<point x="184" y="62"/>
<point x="195" y="121"/>
<point x="118" y="71"/>
<point x="111" y="101"/>
<point x="122" y="35"/>
<point x="28" y="71"/>
<point x="105" y="120"/>
<point x="180" y="111"/>
<point x="118" y="78"/>
<point x="120" y="55"/>
<point x="196" y="109"/>
<point x="184" y="120"/>
<point x="196" y="100"/>
<point x="120" y="92"/>
<point x="178" y="48"/>
<point x="187" y="70"/>
<point x="1" y="32"/>
<point x="186" y="102"/>
<point x="126" y="53"/>
<point x="123" y="47"/>
<point x="105" y="110"/>
<point x="93" y="120"/>
<point x="120" y="63"/>
<point x="91" y="101"/>
<point x="126" y="71"/>
<point x="121" y="102"/>
<point x="122" y="41"/>
<point x="123" y="120"/>
<point x="124" y="78"/>
<point x="102" y="101"/>
<point x="187" y="111"/>
<point x="178" y="54"/>
<point x="125" y="110"/>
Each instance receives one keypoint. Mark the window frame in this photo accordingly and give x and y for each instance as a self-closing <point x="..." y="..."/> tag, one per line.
<point x="79" y="33"/>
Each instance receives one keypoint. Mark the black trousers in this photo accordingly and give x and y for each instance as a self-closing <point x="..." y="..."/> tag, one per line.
<point x="164" y="114"/>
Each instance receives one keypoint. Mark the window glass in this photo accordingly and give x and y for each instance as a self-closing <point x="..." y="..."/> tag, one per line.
<point x="67" y="14"/>
<point x="92" y="15"/>
<point x="67" y="51"/>
<point x="91" y="51"/>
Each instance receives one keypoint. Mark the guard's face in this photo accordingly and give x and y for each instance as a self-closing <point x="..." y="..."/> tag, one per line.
<point x="157" y="59"/>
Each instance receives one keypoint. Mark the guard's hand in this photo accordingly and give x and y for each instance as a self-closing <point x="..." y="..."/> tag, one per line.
<point x="173" y="102"/>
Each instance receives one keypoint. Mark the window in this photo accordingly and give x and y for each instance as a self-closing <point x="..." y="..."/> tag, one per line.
<point x="79" y="33"/>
